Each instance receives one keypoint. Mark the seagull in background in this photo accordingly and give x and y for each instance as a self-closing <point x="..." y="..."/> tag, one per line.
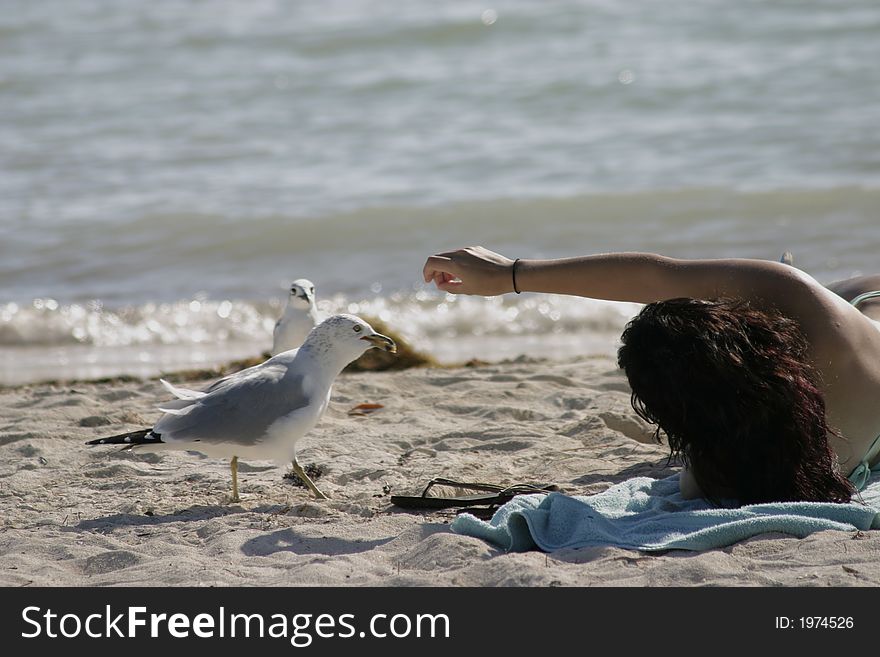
<point x="261" y="412"/>
<point x="300" y="316"/>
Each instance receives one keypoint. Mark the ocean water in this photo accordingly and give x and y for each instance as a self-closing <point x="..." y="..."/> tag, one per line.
<point x="167" y="168"/>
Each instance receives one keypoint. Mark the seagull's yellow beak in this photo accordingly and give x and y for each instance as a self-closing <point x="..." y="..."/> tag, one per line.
<point x="381" y="341"/>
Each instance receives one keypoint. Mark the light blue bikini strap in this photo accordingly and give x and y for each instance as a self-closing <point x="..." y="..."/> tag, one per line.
<point x="862" y="472"/>
<point x="864" y="297"/>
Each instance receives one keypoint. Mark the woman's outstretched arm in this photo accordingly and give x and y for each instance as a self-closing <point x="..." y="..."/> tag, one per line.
<point x="636" y="277"/>
<point x="830" y="324"/>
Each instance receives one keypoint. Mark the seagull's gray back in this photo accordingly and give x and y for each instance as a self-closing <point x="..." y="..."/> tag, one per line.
<point x="238" y="409"/>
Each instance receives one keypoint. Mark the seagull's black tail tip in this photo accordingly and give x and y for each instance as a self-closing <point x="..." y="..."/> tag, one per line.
<point x="140" y="437"/>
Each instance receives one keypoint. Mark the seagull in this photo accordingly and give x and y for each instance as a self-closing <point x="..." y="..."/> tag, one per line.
<point x="261" y="412"/>
<point x="300" y="316"/>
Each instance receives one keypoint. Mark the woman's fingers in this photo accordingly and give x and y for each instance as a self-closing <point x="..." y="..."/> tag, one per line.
<point x="438" y="264"/>
<point x="445" y="281"/>
<point x="448" y="283"/>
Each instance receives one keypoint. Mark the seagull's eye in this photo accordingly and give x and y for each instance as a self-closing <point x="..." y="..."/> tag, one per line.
<point x="357" y="329"/>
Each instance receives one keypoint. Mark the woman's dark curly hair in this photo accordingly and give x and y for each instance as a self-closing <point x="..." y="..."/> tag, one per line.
<point x="734" y="392"/>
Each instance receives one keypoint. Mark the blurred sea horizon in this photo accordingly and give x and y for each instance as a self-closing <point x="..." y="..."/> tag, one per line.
<point x="166" y="169"/>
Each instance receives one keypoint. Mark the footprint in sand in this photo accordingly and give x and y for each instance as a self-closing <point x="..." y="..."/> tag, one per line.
<point x="584" y="427"/>
<point x="117" y="470"/>
<point x="95" y="421"/>
<point x="629" y="425"/>
<point x="506" y="445"/>
<point x="503" y="378"/>
<point x="70" y="401"/>
<point x="118" y="395"/>
<point x="107" y="562"/>
<point x="9" y="438"/>
<point x="494" y="412"/>
<point x="573" y="403"/>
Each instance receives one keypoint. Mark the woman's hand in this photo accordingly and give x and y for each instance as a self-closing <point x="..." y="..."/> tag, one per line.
<point x="473" y="270"/>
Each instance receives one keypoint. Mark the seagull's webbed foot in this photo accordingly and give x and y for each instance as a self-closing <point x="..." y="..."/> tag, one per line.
<point x="297" y="468"/>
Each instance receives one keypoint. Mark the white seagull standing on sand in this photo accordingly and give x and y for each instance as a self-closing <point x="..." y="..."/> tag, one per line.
<point x="261" y="412"/>
<point x="300" y="316"/>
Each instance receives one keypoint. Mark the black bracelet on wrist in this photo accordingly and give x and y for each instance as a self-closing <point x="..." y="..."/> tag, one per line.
<point x="513" y="275"/>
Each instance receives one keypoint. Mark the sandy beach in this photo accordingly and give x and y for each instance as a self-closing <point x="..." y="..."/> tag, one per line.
<point x="167" y="169"/>
<point x="82" y="516"/>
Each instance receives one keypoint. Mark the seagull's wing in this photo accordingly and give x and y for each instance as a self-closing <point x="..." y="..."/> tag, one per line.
<point x="248" y="372"/>
<point x="186" y="395"/>
<point x="241" y="410"/>
<point x="181" y="393"/>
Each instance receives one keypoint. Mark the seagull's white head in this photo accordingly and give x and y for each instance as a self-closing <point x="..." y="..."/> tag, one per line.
<point x="346" y="337"/>
<point x="302" y="293"/>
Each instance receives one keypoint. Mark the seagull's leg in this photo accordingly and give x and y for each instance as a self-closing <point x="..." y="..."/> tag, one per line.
<point x="297" y="468"/>
<point x="233" y="465"/>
